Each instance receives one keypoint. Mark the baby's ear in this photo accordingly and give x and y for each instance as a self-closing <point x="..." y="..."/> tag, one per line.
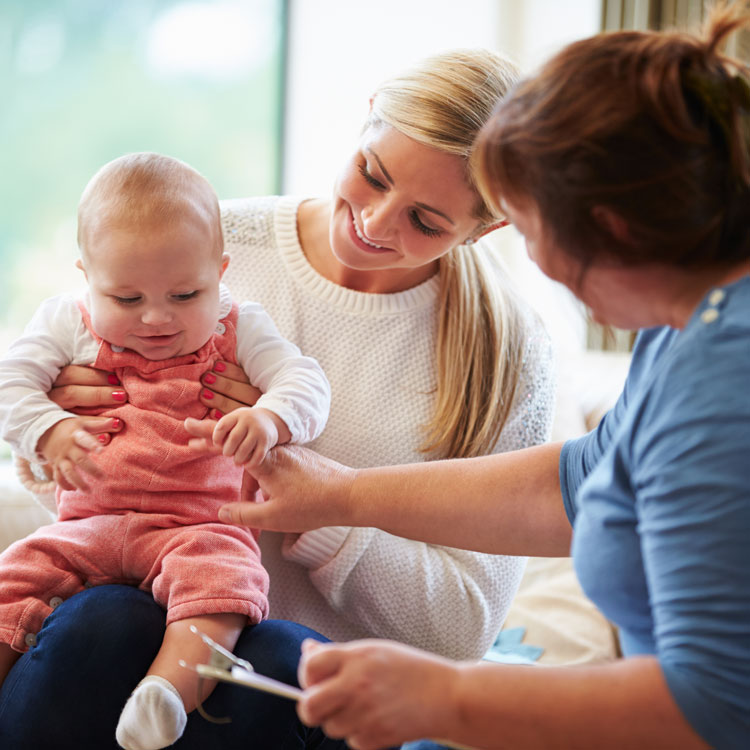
<point x="79" y="264"/>
<point x="224" y="263"/>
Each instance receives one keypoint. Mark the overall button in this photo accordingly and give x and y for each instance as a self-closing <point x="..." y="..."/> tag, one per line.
<point x="55" y="602"/>
<point x="710" y="315"/>
<point x="221" y="328"/>
<point x="30" y="640"/>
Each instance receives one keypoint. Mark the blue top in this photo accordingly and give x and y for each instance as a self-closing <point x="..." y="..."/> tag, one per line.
<point x="659" y="499"/>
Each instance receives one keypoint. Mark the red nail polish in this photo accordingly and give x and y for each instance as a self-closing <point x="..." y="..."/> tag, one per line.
<point x="119" y="395"/>
<point x="112" y="379"/>
<point x="216" y="414"/>
<point x="102" y="438"/>
<point x="209" y="378"/>
<point x="207" y="394"/>
<point x="116" y="423"/>
<point x="219" y="366"/>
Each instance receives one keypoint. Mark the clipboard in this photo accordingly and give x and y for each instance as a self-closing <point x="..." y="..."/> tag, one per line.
<point x="226" y="667"/>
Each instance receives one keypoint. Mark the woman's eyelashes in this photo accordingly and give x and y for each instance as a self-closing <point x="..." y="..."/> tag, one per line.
<point x="416" y="222"/>
<point x="419" y="225"/>
<point x="377" y="184"/>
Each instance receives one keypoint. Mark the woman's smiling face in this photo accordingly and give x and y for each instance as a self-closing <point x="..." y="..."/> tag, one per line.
<point x="399" y="205"/>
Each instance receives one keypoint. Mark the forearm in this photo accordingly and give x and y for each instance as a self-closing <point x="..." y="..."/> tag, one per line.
<point x="508" y="503"/>
<point x="624" y="704"/>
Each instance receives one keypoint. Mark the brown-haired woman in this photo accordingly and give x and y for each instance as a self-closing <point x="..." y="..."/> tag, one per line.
<point x="625" y="165"/>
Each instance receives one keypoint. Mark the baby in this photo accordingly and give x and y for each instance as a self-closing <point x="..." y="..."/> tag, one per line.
<point x="143" y="509"/>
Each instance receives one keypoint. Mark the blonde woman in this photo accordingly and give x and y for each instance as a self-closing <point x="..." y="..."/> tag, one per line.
<point x="430" y="355"/>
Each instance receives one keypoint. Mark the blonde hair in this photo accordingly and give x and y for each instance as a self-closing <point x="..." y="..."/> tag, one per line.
<point x="144" y="189"/>
<point x="443" y="103"/>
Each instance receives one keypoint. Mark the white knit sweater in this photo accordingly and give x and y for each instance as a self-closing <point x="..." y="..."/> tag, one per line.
<point x="378" y="353"/>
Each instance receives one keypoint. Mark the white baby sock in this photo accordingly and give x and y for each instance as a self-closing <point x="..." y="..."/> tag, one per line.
<point x="154" y="716"/>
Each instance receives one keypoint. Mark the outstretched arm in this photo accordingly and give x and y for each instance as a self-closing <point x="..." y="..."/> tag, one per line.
<point x="503" y="504"/>
<point x="508" y="503"/>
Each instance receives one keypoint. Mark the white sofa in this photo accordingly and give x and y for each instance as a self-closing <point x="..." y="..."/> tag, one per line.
<point x="20" y="514"/>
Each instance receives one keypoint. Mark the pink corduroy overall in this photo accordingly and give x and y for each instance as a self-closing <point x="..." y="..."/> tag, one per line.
<point x="151" y="521"/>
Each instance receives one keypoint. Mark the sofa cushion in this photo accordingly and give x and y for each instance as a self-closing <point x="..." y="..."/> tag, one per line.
<point x="20" y="513"/>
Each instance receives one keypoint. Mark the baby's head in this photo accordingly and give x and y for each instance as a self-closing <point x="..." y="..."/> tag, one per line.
<point x="149" y="231"/>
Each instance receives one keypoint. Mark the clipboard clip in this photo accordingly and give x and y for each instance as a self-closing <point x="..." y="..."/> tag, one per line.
<point x="220" y="664"/>
<point x="224" y="666"/>
<point x="220" y="657"/>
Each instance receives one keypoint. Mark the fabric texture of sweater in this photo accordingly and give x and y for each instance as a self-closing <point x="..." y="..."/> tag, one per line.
<point x="378" y="351"/>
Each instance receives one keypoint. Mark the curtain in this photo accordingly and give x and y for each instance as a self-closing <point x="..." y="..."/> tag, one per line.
<point x="652" y="14"/>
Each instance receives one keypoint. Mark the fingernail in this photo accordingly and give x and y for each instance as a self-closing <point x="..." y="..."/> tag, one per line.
<point x="112" y="379"/>
<point x="102" y="438"/>
<point x="207" y="394"/>
<point x="119" y="395"/>
<point x="224" y="515"/>
<point x="209" y="378"/>
<point x="216" y="414"/>
<point x="116" y="423"/>
<point x="219" y="366"/>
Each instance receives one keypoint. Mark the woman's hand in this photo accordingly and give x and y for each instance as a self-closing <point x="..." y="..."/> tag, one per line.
<point x="303" y="490"/>
<point x="377" y="694"/>
<point x="79" y="387"/>
<point x="227" y="388"/>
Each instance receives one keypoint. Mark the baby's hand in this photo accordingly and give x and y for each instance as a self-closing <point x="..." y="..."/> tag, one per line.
<point x="67" y="447"/>
<point x="247" y="434"/>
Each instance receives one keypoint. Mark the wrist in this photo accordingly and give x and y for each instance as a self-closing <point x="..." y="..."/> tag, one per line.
<point x="460" y="697"/>
<point x="349" y="499"/>
<point x="283" y="435"/>
<point x="43" y="442"/>
<point x="445" y="704"/>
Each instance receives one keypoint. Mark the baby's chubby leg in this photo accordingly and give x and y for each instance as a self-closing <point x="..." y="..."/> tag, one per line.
<point x="156" y="712"/>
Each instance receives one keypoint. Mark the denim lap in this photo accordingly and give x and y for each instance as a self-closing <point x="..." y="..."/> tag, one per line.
<point x="67" y="692"/>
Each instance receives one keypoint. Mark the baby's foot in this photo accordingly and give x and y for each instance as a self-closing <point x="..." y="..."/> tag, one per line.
<point x="154" y="716"/>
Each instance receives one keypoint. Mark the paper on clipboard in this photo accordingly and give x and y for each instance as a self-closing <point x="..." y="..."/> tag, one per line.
<point x="240" y="676"/>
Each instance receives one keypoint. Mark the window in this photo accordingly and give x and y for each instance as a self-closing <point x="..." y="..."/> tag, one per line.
<point x="85" y="81"/>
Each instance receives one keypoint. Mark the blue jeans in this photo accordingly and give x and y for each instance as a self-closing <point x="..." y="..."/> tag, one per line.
<point x="67" y="692"/>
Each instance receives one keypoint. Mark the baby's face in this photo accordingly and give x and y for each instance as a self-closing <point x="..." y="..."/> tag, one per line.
<point x="155" y="290"/>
